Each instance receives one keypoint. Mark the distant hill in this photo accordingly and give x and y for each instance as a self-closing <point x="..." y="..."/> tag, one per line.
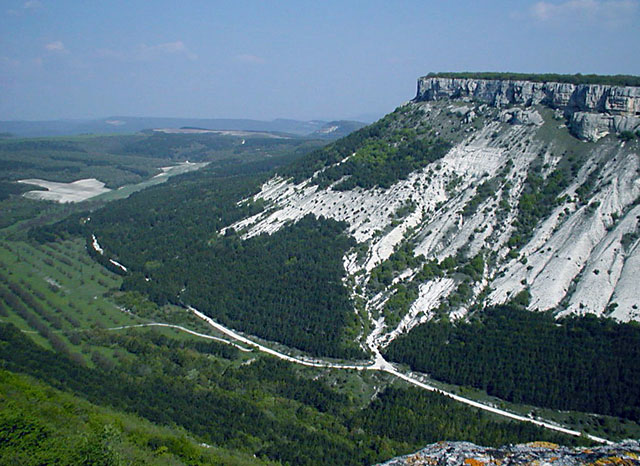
<point x="124" y="125"/>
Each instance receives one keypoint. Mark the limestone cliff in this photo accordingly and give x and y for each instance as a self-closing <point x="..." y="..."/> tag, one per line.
<point x="548" y="219"/>
<point x="592" y="110"/>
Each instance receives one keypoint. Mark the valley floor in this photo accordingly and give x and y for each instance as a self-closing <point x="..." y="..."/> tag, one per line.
<point x="380" y="364"/>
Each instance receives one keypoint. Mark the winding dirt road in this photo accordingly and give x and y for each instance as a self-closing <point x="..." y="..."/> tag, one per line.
<point x="380" y="364"/>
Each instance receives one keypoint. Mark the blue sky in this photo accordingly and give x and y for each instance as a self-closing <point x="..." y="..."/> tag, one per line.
<point x="286" y="59"/>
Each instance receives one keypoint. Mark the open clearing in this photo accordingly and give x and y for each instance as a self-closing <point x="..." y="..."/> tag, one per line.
<point x="77" y="191"/>
<point x="167" y="172"/>
<point x="226" y="132"/>
<point x="81" y="190"/>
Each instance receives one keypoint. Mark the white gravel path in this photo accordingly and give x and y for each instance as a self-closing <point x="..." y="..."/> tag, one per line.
<point x="380" y="364"/>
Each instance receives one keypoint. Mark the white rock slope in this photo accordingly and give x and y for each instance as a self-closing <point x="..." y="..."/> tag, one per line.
<point x="581" y="255"/>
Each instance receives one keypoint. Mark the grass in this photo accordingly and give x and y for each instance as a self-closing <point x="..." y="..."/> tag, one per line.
<point x="41" y="425"/>
<point x="66" y="283"/>
<point x="81" y="294"/>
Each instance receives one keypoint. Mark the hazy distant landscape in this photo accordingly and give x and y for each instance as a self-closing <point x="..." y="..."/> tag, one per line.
<point x="129" y="125"/>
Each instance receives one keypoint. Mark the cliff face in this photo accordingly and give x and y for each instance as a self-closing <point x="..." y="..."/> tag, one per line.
<point x="592" y="110"/>
<point x="555" y="219"/>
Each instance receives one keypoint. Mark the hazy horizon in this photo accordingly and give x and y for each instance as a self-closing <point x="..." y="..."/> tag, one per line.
<point x="69" y="60"/>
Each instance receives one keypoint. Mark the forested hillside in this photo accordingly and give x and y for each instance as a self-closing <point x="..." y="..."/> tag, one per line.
<point x="286" y="287"/>
<point x="262" y="407"/>
<point x="580" y="363"/>
<point x="41" y="425"/>
<point x="376" y="156"/>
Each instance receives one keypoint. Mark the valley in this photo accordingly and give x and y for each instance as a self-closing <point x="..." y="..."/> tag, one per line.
<point x="464" y="268"/>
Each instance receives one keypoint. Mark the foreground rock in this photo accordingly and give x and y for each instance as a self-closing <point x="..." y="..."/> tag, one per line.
<point x="538" y="453"/>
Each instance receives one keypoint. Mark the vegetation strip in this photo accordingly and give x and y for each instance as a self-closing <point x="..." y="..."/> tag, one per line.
<point x="183" y="329"/>
<point x="612" y="80"/>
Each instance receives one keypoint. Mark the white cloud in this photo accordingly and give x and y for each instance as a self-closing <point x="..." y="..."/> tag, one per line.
<point x="609" y="11"/>
<point x="145" y="52"/>
<point x="10" y="62"/>
<point x="28" y="6"/>
<point x="248" y="58"/>
<point x="56" y="47"/>
<point x="32" y="5"/>
<point x="176" y="48"/>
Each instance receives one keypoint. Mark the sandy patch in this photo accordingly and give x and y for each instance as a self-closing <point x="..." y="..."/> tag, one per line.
<point x="228" y="132"/>
<point x="76" y="191"/>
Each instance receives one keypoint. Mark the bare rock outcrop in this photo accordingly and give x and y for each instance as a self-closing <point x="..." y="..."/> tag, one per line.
<point x="464" y="453"/>
<point x="593" y="110"/>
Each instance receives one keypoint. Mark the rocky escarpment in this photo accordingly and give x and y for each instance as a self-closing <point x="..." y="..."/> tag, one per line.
<point x="592" y="110"/>
<point x="463" y="453"/>
<point x="549" y="222"/>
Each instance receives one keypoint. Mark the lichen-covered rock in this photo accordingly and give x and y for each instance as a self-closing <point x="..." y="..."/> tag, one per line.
<point x="541" y="453"/>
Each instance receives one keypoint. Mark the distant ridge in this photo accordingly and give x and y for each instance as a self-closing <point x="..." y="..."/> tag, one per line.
<point x="127" y="125"/>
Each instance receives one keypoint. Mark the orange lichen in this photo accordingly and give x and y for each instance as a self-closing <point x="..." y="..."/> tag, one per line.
<point x="473" y="462"/>
<point x="418" y="460"/>
<point x="614" y="460"/>
<point x="540" y="444"/>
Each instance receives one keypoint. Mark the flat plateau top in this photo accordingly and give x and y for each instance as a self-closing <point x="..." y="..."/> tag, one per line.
<point x="611" y="80"/>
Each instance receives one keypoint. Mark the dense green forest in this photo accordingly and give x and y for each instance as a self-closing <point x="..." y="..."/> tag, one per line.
<point x="8" y="189"/>
<point x="581" y="363"/>
<point x="379" y="154"/>
<point x="213" y="146"/>
<point x="613" y="80"/>
<point x="263" y="407"/>
<point x="412" y="415"/>
<point x="285" y="287"/>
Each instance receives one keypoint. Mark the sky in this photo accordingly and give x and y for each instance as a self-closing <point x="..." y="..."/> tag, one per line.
<point x="260" y="59"/>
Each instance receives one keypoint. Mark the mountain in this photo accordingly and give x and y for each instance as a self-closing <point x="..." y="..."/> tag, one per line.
<point x="489" y="195"/>
<point x="533" y="185"/>
<point x="426" y="239"/>
<point x="124" y="125"/>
